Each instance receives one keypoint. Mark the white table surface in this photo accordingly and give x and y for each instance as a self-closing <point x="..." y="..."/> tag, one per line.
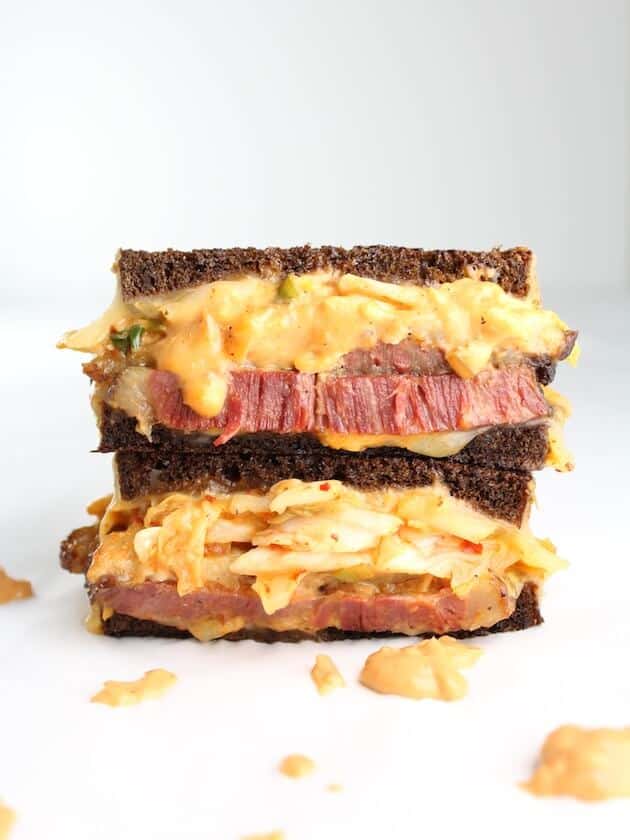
<point x="201" y="761"/>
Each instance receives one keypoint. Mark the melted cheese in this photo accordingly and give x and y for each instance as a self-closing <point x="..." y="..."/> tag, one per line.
<point x="430" y="669"/>
<point x="433" y="445"/>
<point x="150" y="686"/>
<point x="247" y="321"/>
<point x="94" y="620"/>
<point x="300" y="528"/>
<point x="559" y="456"/>
<point x="588" y="764"/>
<point x="206" y="629"/>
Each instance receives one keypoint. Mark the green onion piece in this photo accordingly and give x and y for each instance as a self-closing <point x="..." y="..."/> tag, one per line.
<point x="128" y="340"/>
<point x="120" y="340"/>
<point x="135" y="336"/>
<point x="288" y="288"/>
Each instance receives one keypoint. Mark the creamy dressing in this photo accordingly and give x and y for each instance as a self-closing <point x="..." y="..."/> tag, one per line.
<point x="430" y="669"/>
<point x="247" y="322"/>
<point x="13" y="590"/>
<point x="587" y="764"/>
<point x="150" y="686"/>
<point x="295" y="766"/>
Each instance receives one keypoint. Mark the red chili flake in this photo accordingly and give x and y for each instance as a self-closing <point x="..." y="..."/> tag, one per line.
<point x="471" y="547"/>
<point x="324" y="486"/>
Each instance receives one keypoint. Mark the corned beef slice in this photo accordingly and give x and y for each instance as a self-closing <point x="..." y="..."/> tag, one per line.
<point x="405" y="357"/>
<point x="438" y="612"/>
<point x="287" y="401"/>
<point x="257" y="401"/>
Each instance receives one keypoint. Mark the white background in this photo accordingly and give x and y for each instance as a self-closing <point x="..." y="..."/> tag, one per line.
<point x="214" y="124"/>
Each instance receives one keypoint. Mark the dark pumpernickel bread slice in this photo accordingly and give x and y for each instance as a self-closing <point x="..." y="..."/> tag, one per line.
<point x="502" y="447"/>
<point x="149" y="273"/>
<point x="504" y="494"/>
<point x="526" y="614"/>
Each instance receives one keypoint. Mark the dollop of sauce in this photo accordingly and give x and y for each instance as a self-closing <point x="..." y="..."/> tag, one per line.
<point x="152" y="685"/>
<point x="587" y="764"/>
<point x="325" y="674"/>
<point x="13" y="590"/>
<point x="430" y="669"/>
<point x="7" y="819"/>
<point x="295" y="766"/>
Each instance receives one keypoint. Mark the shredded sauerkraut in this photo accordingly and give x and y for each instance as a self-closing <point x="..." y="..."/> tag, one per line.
<point x="300" y="528"/>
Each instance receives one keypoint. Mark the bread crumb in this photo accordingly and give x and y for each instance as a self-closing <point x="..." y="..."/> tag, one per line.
<point x="295" y="766"/>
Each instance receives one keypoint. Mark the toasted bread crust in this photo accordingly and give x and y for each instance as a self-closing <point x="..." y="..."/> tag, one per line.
<point x="522" y="447"/>
<point x="526" y="614"/>
<point x="145" y="273"/>
<point x="504" y="494"/>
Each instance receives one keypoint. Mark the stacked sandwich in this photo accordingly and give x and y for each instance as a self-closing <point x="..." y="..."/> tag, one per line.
<point x="320" y="442"/>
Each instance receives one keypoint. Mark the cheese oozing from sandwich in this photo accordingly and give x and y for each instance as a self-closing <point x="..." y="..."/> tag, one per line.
<point x="309" y="322"/>
<point x="285" y="542"/>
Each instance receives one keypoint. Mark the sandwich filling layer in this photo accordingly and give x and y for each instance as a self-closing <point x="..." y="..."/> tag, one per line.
<point x="431" y="415"/>
<point x="341" y="325"/>
<point x="310" y="555"/>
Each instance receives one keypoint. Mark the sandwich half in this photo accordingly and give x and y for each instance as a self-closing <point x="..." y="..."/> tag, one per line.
<point x="321" y="443"/>
<point x="306" y="350"/>
<point x="185" y="549"/>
